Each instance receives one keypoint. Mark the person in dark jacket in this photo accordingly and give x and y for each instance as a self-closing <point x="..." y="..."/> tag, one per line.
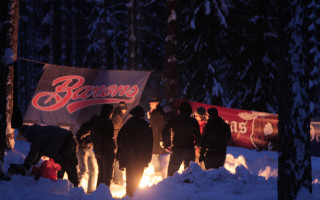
<point x="215" y="135"/>
<point x="86" y="158"/>
<point x="157" y="122"/>
<point x="117" y="120"/>
<point x="54" y="142"/>
<point x="201" y="116"/>
<point x="101" y="129"/>
<point x="181" y="135"/>
<point x="135" y="143"/>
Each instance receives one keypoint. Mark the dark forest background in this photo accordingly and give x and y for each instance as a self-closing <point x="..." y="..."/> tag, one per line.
<point x="226" y="51"/>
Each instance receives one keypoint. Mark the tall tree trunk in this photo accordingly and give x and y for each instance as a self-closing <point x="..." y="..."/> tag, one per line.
<point x="8" y="62"/>
<point x="132" y="60"/>
<point x="294" y="115"/>
<point x="171" y="70"/>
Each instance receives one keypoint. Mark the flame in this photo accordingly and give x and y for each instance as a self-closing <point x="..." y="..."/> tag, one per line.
<point x="232" y="163"/>
<point x="149" y="178"/>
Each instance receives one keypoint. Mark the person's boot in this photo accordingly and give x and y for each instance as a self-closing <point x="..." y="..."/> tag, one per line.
<point x="4" y="177"/>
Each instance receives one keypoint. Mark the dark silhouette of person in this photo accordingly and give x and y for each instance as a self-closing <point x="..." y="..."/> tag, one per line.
<point x="135" y="143"/>
<point x="86" y="158"/>
<point x="182" y="136"/>
<point x="157" y="122"/>
<point x="54" y="142"/>
<point x="117" y="120"/>
<point x="215" y="136"/>
<point x="101" y="129"/>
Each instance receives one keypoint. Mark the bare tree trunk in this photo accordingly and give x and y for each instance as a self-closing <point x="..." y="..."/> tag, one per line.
<point x="294" y="114"/>
<point x="132" y="60"/>
<point x="171" y="70"/>
<point x="8" y="63"/>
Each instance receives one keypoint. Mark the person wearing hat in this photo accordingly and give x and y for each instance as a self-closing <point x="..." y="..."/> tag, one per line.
<point x="117" y="120"/>
<point x="182" y="136"/>
<point x="101" y="130"/>
<point x="157" y="122"/>
<point x="54" y="142"/>
<point x="215" y="136"/>
<point x="135" y="141"/>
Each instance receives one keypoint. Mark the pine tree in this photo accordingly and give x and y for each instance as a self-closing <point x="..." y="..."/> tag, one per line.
<point x="313" y="54"/>
<point x="249" y="46"/>
<point x="106" y="43"/>
<point x="202" y="23"/>
<point x="33" y="45"/>
<point x="151" y="35"/>
<point x="294" y="115"/>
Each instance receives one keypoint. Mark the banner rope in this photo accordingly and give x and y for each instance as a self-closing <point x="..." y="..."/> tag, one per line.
<point x="43" y="63"/>
<point x="34" y="61"/>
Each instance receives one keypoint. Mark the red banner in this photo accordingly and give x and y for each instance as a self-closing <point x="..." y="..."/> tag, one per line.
<point x="254" y="130"/>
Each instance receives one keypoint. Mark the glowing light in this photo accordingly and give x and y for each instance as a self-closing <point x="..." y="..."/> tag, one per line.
<point x="149" y="178"/>
<point x="232" y="163"/>
<point x="118" y="191"/>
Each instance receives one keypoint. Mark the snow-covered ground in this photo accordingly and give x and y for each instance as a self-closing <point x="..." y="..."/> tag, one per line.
<point x="247" y="174"/>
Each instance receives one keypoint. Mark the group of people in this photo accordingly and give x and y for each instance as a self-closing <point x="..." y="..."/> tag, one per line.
<point x="116" y="145"/>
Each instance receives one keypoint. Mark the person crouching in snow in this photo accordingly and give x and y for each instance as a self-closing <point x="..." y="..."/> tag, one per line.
<point x="135" y="141"/>
<point x="54" y="142"/>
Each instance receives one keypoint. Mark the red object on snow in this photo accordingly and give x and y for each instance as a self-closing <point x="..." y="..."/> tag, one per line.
<point x="48" y="169"/>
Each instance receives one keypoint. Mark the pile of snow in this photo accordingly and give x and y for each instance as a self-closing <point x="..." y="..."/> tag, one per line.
<point x="247" y="174"/>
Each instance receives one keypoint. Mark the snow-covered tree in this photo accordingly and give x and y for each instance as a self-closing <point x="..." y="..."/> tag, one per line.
<point x="151" y="29"/>
<point x="294" y="113"/>
<point x="313" y="53"/>
<point x="249" y="47"/>
<point x="8" y="63"/>
<point x="106" y="43"/>
<point x="202" y="23"/>
<point x="33" y="44"/>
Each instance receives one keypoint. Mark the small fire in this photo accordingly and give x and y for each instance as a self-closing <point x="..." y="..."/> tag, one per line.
<point x="149" y="178"/>
<point x="232" y="163"/>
